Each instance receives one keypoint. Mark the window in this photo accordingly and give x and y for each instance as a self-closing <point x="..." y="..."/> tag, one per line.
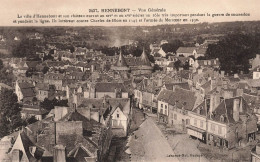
<point x="222" y="118"/>
<point x="172" y="115"/>
<point x="161" y="105"/>
<point x="201" y="124"/>
<point x="187" y="121"/>
<point x="195" y="122"/>
<point x="175" y="116"/>
<point x="212" y="127"/>
<point x="219" y="129"/>
<point x="117" y="115"/>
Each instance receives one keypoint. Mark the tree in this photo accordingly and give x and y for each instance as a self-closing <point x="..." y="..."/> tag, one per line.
<point x="177" y="64"/>
<point x="3" y="126"/>
<point x="10" y="110"/>
<point x="234" y="52"/>
<point x="156" y="67"/>
<point x="200" y="40"/>
<point x="1" y="64"/>
<point x="45" y="69"/>
<point x="47" y="104"/>
<point x="31" y="120"/>
<point x="172" y="46"/>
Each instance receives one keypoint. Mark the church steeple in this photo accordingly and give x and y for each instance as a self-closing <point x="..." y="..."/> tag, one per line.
<point x="121" y="60"/>
<point x="144" y="58"/>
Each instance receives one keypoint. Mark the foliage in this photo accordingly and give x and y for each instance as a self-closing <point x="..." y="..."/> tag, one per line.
<point x="31" y="120"/>
<point x="6" y="76"/>
<point x="45" y="69"/>
<point x="234" y="52"/>
<point x="29" y="72"/>
<point x="1" y="64"/>
<point x="3" y="126"/>
<point x="200" y="40"/>
<point x="9" y="111"/>
<point x="157" y="68"/>
<point x="177" y="64"/>
<point x="49" y="104"/>
<point x="47" y="57"/>
<point x="186" y="66"/>
<point x="172" y="46"/>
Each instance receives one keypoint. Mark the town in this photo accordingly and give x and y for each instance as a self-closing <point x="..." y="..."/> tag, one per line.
<point x="159" y="93"/>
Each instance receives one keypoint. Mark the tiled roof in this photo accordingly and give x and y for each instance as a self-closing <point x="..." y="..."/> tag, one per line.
<point x="226" y="108"/>
<point x="179" y="97"/>
<point x="121" y="61"/>
<point x="109" y="87"/>
<point x="23" y="143"/>
<point x="184" y="85"/>
<point x="185" y="49"/>
<point x="25" y="85"/>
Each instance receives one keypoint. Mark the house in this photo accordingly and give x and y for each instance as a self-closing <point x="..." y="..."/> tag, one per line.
<point x="255" y="61"/>
<point x="4" y="86"/>
<point x="173" y="107"/>
<point x="191" y="51"/>
<point x="186" y="51"/>
<point x="120" y="120"/>
<point x="101" y="109"/>
<point x="255" y="154"/>
<point x="227" y="123"/>
<point x="114" y="90"/>
<point x="256" y="72"/>
<point x="42" y="91"/>
<point x="25" y="150"/>
<point x="33" y="110"/>
<point x="24" y="91"/>
<point x="55" y="79"/>
<point x="211" y="63"/>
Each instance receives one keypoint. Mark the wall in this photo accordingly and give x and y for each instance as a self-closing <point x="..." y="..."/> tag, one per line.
<point x="68" y="128"/>
<point x="121" y="121"/>
<point x="102" y="94"/>
<point x="178" y="118"/>
<point x="164" y="107"/>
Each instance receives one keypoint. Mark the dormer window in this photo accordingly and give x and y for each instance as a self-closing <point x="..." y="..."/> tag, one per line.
<point x="222" y="118"/>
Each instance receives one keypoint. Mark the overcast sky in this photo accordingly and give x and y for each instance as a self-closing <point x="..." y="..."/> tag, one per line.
<point x="10" y="8"/>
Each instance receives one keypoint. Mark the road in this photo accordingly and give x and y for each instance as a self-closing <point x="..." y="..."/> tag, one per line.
<point x="149" y="144"/>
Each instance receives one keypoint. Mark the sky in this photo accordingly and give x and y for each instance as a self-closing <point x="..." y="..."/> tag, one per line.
<point x="9" y="9"/>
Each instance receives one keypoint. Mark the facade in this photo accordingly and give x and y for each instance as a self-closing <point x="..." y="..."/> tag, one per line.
<point x="24" y="91"/>
<point x="256" y="73"/>
<point x="228" y="124"/>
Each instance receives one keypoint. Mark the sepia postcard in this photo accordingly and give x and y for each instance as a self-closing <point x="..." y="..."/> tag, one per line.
<point x="121" y="81"/>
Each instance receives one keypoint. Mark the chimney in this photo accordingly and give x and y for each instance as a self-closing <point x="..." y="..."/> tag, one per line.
<point x="257" y="56"/>
<point x="59" y="154"/>
<point x="257" y="149"/>
<point x="239" y="92"/>
<point x="222" y="74"/>
<point x="236" y="109"/>
<point x="199" y="71"/>
<point x="160" y="81"/>
<point x="16" y="155"/>
<point x="212" y="84"/>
